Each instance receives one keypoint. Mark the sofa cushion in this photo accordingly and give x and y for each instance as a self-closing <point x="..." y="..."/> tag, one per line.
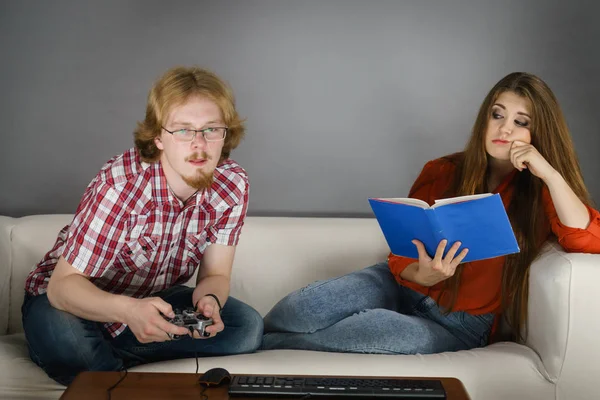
<point x="495" y="372"/>
<point x="20" y="377"/>
<point x="278" y="255"/>
<point x="498" y="372"/>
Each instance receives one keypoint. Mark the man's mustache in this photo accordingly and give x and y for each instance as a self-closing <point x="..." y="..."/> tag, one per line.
<point x="196" y="156"/>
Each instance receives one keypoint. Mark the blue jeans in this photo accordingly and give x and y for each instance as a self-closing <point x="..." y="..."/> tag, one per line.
<point x="369" y="312"/>
<point x="64" y="345"/>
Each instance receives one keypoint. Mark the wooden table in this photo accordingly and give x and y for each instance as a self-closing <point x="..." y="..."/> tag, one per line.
<point x="176" y="386"/>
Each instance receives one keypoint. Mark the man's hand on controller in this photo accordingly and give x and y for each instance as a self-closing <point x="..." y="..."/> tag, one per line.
<point x="146" y="322"/>
<point x="208" y="307"/>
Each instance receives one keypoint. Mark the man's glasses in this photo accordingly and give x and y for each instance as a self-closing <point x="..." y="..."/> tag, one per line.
<point x="212" y="134"/>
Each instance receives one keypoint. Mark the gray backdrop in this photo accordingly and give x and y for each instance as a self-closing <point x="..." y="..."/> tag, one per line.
<point x="343" y="99"/>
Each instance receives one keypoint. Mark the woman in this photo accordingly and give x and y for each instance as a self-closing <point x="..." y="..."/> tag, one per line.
<point x="520" y="148"/>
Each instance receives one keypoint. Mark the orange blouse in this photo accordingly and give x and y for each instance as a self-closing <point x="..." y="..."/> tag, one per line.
<point x="480" y="287"/>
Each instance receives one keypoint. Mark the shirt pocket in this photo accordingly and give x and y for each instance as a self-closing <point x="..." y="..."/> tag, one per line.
<point x="194" y="250"/>
<point x="138" y="256"/>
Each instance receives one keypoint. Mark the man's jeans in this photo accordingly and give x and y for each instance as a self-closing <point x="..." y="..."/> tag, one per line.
<point x="369" y="312"/>
<point x="64" y="345"/>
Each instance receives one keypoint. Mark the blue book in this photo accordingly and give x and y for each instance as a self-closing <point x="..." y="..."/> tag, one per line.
<point x="479" y="222"/>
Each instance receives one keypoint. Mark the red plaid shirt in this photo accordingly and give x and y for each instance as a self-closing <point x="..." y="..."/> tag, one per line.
<point x="132" y="236"/>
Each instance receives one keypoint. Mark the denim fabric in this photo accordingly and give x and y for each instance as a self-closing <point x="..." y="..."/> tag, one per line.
<point x="369" y="312"/>
<point x="64" y="345"/>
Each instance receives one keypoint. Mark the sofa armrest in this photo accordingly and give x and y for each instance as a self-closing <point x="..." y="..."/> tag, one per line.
<point x="563" y="323"/>
<point x="6" y="226"/>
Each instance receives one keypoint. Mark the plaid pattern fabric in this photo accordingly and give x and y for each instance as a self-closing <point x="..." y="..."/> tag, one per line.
<point x="132" y="236"/>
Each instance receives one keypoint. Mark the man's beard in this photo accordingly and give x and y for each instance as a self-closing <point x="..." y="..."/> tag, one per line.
<point x="199" y="182"/>
<point x="202" y="180"/>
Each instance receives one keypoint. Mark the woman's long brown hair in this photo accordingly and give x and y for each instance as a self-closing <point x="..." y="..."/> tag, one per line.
<point x="551" y="137"/>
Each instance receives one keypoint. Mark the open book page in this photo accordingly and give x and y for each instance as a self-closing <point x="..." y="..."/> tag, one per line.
<point x="405" y="200"/>
<point x="460" y="199"/>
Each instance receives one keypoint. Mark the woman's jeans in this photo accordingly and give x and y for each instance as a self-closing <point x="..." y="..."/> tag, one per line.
<point x="369" y="312"/>
<point x="65" y="345"/>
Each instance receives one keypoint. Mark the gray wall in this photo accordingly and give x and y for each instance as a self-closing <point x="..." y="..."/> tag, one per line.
<point x="343" y="99"/>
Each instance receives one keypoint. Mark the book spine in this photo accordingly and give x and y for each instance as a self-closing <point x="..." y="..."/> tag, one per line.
<point x="436" y="226"/>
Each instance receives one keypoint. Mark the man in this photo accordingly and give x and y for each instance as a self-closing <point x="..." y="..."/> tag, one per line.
<point x="98" y="300"/>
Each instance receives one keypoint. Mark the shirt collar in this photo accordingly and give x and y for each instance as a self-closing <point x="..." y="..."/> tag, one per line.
<point x="161" y="192"/>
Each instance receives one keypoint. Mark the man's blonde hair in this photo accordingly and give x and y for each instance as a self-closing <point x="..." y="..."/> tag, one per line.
<point x="174" y="88"/>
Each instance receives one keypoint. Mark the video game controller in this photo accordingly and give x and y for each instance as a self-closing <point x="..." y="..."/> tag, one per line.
<point x="194" y="321"/>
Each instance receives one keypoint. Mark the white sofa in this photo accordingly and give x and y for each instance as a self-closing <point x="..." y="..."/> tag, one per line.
<point x="277" y="255"/>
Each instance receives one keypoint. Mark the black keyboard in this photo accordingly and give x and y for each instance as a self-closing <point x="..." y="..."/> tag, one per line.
<point x="306" y="387"/>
